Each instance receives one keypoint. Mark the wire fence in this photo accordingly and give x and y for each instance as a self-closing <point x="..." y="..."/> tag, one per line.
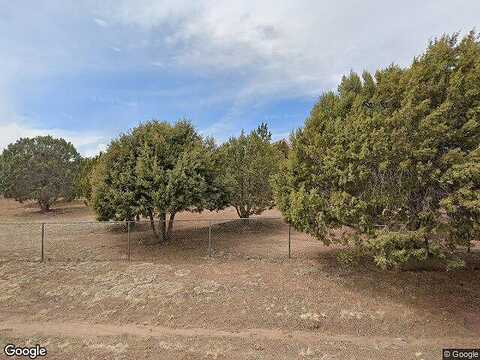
<point x="136" y="241"/>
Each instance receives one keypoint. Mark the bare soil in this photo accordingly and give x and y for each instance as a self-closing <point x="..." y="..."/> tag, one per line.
<point x="248" y="301"/>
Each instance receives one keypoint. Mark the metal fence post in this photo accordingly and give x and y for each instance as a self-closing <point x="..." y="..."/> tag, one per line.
<point x="289" y="241"/>
<point x="209" y="238"/>
<point x="43" y="240"/>
<point x="128" y="241"/>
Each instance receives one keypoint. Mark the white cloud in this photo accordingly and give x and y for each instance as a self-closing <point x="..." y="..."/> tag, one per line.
<point x="14" y="127"/>
<point x="280" y="136"/>
<point x="220" y="131"/>
<point x="157" y="64"/>
<point x="293" y="48"/>
<point x="95" y="150"/>
<point x="86" y="143"/>
<point x="100" y="22"/>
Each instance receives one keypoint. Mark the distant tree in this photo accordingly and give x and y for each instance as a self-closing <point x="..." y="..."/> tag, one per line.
<point x="282" y="146"/>
<point x="155" y="170"/>
<point x="249" y="161"/>
<point x="84" y="177"/>
<point x="41" y="169"/>
<point x="395" y="156"/>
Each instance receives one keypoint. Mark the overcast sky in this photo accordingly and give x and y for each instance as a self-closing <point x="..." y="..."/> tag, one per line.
<point x="87" y="72"/>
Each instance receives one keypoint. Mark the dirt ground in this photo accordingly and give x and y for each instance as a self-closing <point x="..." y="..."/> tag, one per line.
<point x="247" y="301"/>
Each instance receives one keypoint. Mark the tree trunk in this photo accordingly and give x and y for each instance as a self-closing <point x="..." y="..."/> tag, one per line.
<point x="44" y="205"/>
<point x="170" y="225"/>
<point x="152" y="224"/>
<point x="162" y="224"/>
<point x="427" y="247"/>
<point x="242" y="212"/>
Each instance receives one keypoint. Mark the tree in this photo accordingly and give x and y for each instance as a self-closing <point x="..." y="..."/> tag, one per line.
<point x="282" y="146"/>
<point x="155" y="170"/>
<point x="84" y="178"/>
<point x="249" y="161"/>
<point x="41" y="168"/>
<point x="394" y="156"/>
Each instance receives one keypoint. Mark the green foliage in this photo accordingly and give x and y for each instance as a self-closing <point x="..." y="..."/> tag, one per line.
<point x="248" y="162"/>
<point x="283" y="147"/>
<point x="455" y="264"/>
<point x="41" y="168"/>
<point x="391" y="248"/>
<point x="348" y="257"/>
<point x="155" y="170"/>
<point x="398" y="149"/>
<point x="83" y="178"/>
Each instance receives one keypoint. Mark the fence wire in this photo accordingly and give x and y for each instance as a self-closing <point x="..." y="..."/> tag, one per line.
<point x="136" y="241"/>
<point x="255" y="237"/>
<point x="20" y="241"/>
<point x="89" y="241"/>
<point x="187" y="239"/>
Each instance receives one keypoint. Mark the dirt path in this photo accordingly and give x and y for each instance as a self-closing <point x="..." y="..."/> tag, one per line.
<point x="85" y="329"/>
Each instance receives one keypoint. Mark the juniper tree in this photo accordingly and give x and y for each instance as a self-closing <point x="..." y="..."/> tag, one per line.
<point x="83" y="178"/>
<point x="397" y="151"/>
<point x="41" y="168"/>
<point x="249" y="161"/>
<point x="157" y="170"/>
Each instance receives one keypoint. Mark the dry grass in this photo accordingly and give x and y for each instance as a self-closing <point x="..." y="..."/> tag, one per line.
<point x="248" y="302"/>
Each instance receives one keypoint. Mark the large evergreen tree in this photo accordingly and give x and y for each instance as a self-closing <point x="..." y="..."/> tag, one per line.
<point x="157" y="170"/>
<point x="398" y="151"/>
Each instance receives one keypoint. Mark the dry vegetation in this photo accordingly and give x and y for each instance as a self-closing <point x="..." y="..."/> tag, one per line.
<point x="247" y="302"/>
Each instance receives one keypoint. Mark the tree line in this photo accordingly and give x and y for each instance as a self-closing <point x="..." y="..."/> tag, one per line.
<point x="153" y="172"/>
<point x="394" y="157"/>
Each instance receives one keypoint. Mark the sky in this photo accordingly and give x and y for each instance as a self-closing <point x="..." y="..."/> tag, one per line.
<point x="90" y="70"/>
